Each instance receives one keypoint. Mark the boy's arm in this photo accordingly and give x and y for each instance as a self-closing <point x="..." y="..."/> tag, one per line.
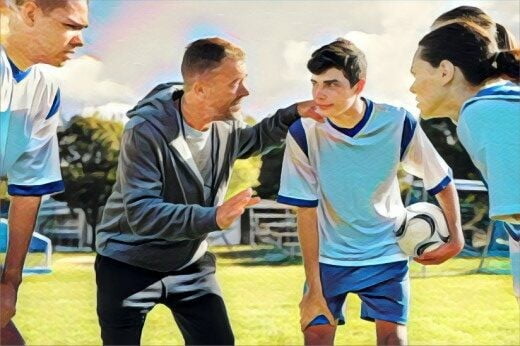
<point x="22" y="218"/>
<point x="420" y="158"/>
<point x="449" y="202"/>
<point x="313" y="303"/>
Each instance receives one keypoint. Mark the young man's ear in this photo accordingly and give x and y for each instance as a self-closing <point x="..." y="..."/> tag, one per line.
<point x="447" y="71"/>
<point x="28" y="12"/>
<point x="360" y="85"/>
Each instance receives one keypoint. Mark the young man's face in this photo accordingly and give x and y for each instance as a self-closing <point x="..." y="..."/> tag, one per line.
<point x="225" y="89"/>
<point x="332" y="92"/>
<point x="428" y="88"/>
<point x="58" y="33"/>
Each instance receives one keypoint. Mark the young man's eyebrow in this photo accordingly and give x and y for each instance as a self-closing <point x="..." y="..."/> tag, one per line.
<point x="72" y="22"/>
<point x="328" y="81"/>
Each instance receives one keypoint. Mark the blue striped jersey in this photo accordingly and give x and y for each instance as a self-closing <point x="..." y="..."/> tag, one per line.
<point x="29" y="155"/>
<point x="350" y="175"/>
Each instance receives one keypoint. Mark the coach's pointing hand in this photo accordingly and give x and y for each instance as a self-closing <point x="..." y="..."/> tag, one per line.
<point x="308" y="109"/>
<point x="231" y="210"/>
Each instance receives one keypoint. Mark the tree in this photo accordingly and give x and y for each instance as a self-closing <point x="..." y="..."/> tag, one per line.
<point x="89" y="149"/>
<point x="245" y="172"/>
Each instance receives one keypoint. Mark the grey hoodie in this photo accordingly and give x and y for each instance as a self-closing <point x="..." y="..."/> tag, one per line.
<point x="157" y="215"/>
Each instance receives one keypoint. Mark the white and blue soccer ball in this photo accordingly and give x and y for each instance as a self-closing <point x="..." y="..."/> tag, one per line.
<point x="423" y="230"/>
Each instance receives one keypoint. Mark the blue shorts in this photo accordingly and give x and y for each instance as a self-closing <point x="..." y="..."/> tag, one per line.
<point x="383" y="289"/>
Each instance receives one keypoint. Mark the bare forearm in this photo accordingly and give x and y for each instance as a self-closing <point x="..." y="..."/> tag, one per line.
<point x="22" y="219"/>
<point x="449" y="202"/>
<point x="309" y="242"/>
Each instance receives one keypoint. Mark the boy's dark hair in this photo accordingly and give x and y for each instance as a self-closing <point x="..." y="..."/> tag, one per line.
<point x="343" y="55"/>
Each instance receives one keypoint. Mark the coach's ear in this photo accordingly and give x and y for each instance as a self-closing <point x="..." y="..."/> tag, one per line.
<point x="360" y="85"/>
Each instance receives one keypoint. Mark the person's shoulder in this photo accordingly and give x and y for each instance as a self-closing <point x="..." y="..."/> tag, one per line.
<point x="44" y="77"/>
<point x="487" y="110"/>
<point x="302" y="125"/>
<point x="502" y="95"/>
<point x="388" y="109"/>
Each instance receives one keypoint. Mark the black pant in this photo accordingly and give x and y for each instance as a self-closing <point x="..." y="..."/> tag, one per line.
<point x="125" y="295"/>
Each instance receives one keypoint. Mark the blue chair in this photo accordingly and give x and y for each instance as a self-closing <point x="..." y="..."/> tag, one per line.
<point x="39" y="244"/>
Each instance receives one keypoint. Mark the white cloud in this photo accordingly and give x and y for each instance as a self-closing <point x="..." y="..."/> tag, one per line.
<point x="83" y="84"/>
<point x="111" y="111"/>
<point x="143" y="43"/>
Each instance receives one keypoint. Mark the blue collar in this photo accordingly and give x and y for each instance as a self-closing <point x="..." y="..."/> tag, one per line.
<point x="509" y="91"/>
<point x="18" y="74"/>
<point x="506" y="89"/>
<point x="351" y="132"/>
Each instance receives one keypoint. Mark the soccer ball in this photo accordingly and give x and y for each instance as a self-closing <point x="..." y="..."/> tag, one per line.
<point x="423" y="230"/>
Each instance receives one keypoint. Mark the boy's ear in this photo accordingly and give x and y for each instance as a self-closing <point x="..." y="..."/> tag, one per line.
<point x="360" y="85"/>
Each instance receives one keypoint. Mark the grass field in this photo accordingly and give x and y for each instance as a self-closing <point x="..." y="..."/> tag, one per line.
<point x="262" y="300"/>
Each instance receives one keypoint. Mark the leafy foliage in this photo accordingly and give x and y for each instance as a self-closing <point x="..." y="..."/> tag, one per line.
<point x="89" y="149"/>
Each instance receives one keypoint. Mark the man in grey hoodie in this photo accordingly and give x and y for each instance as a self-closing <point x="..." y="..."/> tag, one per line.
<point x="177" y="154"/>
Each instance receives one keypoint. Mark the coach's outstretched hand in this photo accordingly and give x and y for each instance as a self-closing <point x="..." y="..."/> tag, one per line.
<point x="312" y="306"/>
<point x="441" y="254"/>
<point x="231" y="209"/>
<point x="308" y="109"/>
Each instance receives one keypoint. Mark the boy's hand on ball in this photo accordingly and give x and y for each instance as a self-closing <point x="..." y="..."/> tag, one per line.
<point x="313" y="305"/>
<point x="441" y="254"/>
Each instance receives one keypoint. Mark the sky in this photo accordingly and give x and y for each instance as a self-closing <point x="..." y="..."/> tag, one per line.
<point x="133" y="45"/>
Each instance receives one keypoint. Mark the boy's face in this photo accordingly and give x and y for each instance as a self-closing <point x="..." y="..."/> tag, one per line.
<point x="333" y="93"/>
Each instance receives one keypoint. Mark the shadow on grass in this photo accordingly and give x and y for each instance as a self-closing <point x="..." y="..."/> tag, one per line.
<point x="255" y="257"/>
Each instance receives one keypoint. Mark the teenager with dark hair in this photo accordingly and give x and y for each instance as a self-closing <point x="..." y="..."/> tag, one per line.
<point x="342" y="176"/>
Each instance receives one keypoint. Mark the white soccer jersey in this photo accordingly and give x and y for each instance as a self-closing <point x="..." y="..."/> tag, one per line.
<point x="350" y="175"/>
<point x="29" y="155"/>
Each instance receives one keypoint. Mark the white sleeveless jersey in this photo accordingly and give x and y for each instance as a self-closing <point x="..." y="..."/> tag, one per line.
<point x="350" y="175"/>
<point x="29" y="155"/>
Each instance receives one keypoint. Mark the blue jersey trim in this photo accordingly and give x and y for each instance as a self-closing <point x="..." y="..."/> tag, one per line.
<point x="18" y="74"/>
<point x="298" y="132"/>
<point x="359" y="126"/>
<point x="297" y="202"/>
<point x="36" y="190"/>
<point x="508" y="91"/>
<point x="512" y="230"/>
<point x="441" y="186"/>
<point x="55" y="105"/>
<point x="409" y="126"/>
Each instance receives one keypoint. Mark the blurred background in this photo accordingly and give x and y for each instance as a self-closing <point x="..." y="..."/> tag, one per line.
<point x="133" y="45"/>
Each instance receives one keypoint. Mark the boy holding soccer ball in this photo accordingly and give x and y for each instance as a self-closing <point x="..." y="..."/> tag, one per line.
<point x="342" y="174"/>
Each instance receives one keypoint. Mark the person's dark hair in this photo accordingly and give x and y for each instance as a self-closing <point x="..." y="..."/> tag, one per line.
<point x="466" y="14"/>
<point x="343" y="55"/>
<point x="470" y="49"/>
<point x="470" y="14"/>
<point x="207" y="54"/>
<point x="46" y="5"/>
<point x="505" y="40"/>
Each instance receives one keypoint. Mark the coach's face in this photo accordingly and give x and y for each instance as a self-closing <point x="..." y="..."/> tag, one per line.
<point x="225" y="89"/>
<point x="59" y="32"/>
<point x="333" y="93"/>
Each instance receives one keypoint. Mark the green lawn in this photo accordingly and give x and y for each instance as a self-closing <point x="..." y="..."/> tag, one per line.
<point x="262" y="300"/>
